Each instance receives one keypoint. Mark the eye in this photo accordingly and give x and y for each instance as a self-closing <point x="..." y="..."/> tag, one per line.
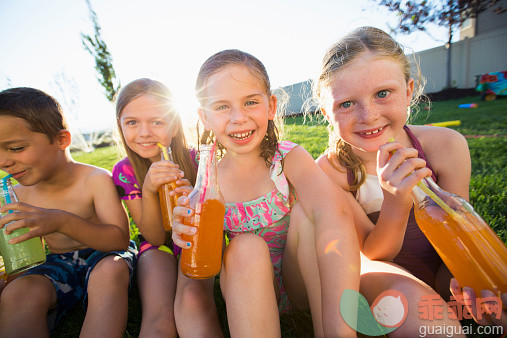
<point x="346" y="104"/>
<point x="383" y="93"/>
<point x="221" y="107"/>
<point x="250" y="103"/>
<point x="131" y="123"/>
<point x="158" y="123"/>
<point x="16" y="149"/>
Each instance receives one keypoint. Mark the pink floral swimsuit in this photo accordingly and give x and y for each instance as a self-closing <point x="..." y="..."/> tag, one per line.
<point x="267" y="216"/>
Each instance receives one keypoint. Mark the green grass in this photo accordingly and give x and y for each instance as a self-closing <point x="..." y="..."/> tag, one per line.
<point x="487" y="187"/>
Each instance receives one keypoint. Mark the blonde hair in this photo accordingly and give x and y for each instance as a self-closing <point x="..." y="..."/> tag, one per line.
<point x="360" y="40"/>
<point x="225" y="58"/>
<point x="179" y="146"/>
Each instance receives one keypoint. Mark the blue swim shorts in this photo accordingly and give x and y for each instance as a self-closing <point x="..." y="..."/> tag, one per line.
<point x="69" y="273"/>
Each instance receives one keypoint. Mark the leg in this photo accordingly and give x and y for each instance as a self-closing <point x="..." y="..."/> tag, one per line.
<point x="377" y="277"/>
<point x="247" y="284"/>
<point x="4" y="280"/>
<point x="37" y="295"/>
<point x="196" y="312"/>
<point x="156" y="279"/>
<point x="300" y="269"/>
<point x="106" y="315"/>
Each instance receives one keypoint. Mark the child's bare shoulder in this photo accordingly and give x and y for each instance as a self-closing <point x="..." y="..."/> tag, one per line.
<point x="334" y="170"/>
<point x="439" y="139"/>
<point x="91" y="174"/>
<point x="442" y="146"/>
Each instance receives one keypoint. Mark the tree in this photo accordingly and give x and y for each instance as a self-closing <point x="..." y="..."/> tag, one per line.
<point x="418" y="14"/>
<point x="97" y="48"/>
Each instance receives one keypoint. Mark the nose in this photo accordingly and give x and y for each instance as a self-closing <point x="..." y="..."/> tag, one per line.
<point x="5" y="161"/>
<point x="238" y="115"/>
<point x="145" y="129"/>
<point x="367" y="113"/>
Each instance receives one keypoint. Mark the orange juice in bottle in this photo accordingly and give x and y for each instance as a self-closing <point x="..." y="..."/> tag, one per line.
<point x="204" y="258"/>
<point x="167" y="201"/>
<point x="468" y="246"/>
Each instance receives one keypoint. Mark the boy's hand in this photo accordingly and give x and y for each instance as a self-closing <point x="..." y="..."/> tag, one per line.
<point x="398" y="173"/>
<point x="160" y="173"/>
<point x="180" y="212"/>
<point x="468" y="298"/>
<point x="40" y="221"/>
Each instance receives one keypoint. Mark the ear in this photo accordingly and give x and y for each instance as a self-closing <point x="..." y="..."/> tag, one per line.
<point x="63" y="139"/>
<point x="410" y="90"/>
<point x="273" y="100"/>
<point x="204" y="119"/>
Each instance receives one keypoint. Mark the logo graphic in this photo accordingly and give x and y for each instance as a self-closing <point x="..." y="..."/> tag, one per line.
<point x="388" y="311"/>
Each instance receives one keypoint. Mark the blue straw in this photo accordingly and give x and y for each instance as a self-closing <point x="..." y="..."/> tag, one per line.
<point x="6" y="191"/>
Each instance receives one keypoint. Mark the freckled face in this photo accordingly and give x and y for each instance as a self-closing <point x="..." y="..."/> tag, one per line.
<point x="144" y="123"/>
<point x="237" y="108"/>
<point x="368" y="101"/>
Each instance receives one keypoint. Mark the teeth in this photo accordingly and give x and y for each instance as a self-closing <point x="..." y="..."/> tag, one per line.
<point x="241" y="136"/>
<point x="147" y="144"/>
<point x="374" y="132"/>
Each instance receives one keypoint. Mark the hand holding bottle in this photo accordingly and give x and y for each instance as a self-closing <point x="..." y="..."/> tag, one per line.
<point x="203" y="259"/>
<point x="399" y="170"/>
<point x="179" y="213"/>
<point x="468" y="297"/>
<point x="163" y="172"/>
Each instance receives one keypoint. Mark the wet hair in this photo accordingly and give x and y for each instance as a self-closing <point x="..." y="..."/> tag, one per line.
<point x="40" y="110"/>
<point x="357" y="42"/>
<point x="179" y="147"/>
<point x="229" y="57"/>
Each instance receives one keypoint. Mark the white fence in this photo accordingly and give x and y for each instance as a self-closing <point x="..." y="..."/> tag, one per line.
<point x="469" y="57"/>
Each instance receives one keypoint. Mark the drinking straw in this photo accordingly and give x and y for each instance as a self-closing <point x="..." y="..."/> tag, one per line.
<point x="164" y="151"/>
<point x="438" y="200"/>
<point x="208" y="168"/>
<point x="434" y="197"/>
<point x="6" y="190"/>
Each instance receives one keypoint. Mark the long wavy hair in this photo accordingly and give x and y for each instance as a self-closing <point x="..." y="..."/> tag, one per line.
<point x="179" y="145"/>
<point x="360" y="40"/>
<point x="215" y="63"/>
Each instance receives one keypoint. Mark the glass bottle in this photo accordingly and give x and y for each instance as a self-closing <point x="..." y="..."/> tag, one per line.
<point x="204" y="258"/>
<point x="467" y="245"/>
<point x="167" y="201"/>
<point x="24" y="255"/>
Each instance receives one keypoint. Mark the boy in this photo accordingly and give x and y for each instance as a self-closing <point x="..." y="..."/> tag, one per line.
<point x="76" y="209"/>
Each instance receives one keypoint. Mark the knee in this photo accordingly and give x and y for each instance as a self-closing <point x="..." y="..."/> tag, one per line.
<point x="246" y="252"/>
<point x="111" y="270"/>
<point x="193" y="299"/>
<point x="26" y="290"/>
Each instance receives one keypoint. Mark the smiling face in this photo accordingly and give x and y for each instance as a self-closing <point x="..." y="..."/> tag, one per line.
<point x="237" y="109"/>
<point x="368" y="100"/>
<point x="144" y="123"/>
<point x="27" y="155"/>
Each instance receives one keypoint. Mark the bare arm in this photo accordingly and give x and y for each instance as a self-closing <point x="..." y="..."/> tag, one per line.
<point x="150" y="219"/>
<point x="109" y="233"/>
<point x="397" y="174"/>
<point x="335" y="238"/>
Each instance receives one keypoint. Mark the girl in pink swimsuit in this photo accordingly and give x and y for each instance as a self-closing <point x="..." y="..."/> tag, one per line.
<point x="280" y="249"/>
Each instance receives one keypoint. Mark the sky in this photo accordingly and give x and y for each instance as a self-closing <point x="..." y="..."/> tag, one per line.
<point x="168" y="40"/>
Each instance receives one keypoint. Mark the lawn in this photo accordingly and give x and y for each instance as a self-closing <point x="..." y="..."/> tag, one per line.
<point x="484" y="127"/>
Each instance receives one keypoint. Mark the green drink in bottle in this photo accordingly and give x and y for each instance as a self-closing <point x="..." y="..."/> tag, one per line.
<point x="21" y="256"/>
